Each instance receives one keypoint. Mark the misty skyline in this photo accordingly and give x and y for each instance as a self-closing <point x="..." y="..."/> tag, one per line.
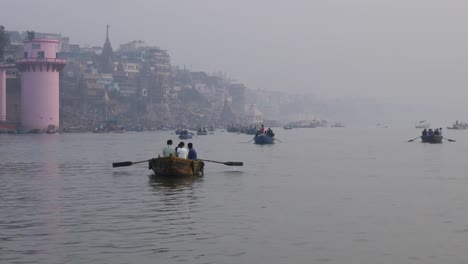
<point x="409" y="52"/>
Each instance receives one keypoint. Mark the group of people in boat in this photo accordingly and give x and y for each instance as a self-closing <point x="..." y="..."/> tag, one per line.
<point x="180" y="151"/>
<point x="432" y="132"/>
<point x="268" y="132"/>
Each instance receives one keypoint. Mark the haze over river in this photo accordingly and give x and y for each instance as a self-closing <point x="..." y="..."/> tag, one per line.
<point x="323" y="195"/>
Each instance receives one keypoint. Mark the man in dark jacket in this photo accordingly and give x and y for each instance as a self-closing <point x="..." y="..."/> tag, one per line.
<point x="192" y="154"/>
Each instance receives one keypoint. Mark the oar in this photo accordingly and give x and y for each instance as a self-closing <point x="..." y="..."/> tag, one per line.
<point x="451" y="140"/>
<point x="228" y="163"/>
<point x="411" y="140"/>
<point x="279" y="140"/>
<point x="126" y="163"/>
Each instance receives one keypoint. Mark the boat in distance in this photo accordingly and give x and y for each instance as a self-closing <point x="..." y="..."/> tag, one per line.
<point x="458" y="125"/>
<point x="176" y="167"/>
<point x="263" y="139"/>
<point x="423" y="124"/>
<point x="432" y="139"/>
<point x="202" y="132"/>
<point x="185" y="136"/>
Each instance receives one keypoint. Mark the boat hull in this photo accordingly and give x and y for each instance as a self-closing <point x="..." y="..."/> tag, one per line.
<point x="264" y="139"/>
<point x="176" y="167"/>
<point x="431" y="139"/>
<point x="185" y="136"/>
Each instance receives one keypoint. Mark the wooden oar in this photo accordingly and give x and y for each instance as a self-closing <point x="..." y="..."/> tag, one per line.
<point x="228" y="163"/>
<point x="451" y="140"/>
<point x="126" y="163"/>
<point x="411" y="140"/>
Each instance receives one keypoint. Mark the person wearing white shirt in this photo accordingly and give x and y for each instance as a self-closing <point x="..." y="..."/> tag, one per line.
<point x="182" y="152"/>
<point x="168" y="150"/>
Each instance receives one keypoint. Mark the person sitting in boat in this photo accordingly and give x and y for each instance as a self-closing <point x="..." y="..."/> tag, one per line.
<point x="440" y="131"/>
<point x="424" y="132"/>
<point x="192" y="154"/>
<point x="168" y="150"/>
<point x="182" y="152"/>
<point x="269" y="132"/>
<point x="430" y="132"/>
<point x="262" y="129"/>
<point x="436" y="132"/>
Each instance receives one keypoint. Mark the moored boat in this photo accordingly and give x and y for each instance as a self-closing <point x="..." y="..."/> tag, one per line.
<point x="202" y="132"/>
<point x="263" y="139"/>
<point x="51" y="129"/>
<point x="173" y="166"/>
<point x="432" y="139"/>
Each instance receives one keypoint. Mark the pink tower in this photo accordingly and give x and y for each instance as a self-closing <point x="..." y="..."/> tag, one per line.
<point x="40" y="83"/>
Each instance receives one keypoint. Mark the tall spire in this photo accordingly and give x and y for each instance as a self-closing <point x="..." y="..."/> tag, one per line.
<point x="106" y="62"/>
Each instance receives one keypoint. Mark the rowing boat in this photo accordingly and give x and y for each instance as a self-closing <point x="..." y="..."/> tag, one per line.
<point x="263" y="139"/>
<point x="431" y="139"/>
<point x="174" y="166"/>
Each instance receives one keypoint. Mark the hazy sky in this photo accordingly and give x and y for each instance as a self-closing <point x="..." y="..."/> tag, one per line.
<point x="408" y="51"/>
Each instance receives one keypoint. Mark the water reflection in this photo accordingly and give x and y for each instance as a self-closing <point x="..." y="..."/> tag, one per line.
<point x="173" y="183"/>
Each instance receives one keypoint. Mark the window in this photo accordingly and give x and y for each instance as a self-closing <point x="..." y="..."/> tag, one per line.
<point x="36" y="46"/>
<point x="25" y="55"/>
<point x="40" y="55"/>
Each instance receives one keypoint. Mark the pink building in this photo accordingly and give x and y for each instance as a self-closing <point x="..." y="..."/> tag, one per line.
<point x="40" y="83"/>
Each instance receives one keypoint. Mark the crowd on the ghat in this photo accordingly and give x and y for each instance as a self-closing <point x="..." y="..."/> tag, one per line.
<point x="431" y="132"/>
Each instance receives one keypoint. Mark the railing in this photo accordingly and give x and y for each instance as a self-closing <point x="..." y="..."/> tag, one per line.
<point x="7" y="65"/>
<point x="50" y="60"/>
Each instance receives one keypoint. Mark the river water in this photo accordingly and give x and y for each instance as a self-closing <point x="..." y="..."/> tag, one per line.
<point x="323" y="195"/>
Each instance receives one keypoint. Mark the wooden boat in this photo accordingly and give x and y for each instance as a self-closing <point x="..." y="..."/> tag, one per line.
<point x="431" y="139"/>
<point x="173" y="166"/>
<point x="202" y="132"/>
<point x="263" y="139"/>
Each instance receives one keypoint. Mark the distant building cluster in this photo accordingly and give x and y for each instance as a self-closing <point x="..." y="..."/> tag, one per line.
<point x="136" y="86"/>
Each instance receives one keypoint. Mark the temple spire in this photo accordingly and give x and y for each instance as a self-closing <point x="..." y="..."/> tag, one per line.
<point x="106" y="63"/>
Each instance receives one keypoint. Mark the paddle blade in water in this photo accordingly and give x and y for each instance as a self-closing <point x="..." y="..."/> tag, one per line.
<point x="122" y="164"/>
<point x="234" y="163"/>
